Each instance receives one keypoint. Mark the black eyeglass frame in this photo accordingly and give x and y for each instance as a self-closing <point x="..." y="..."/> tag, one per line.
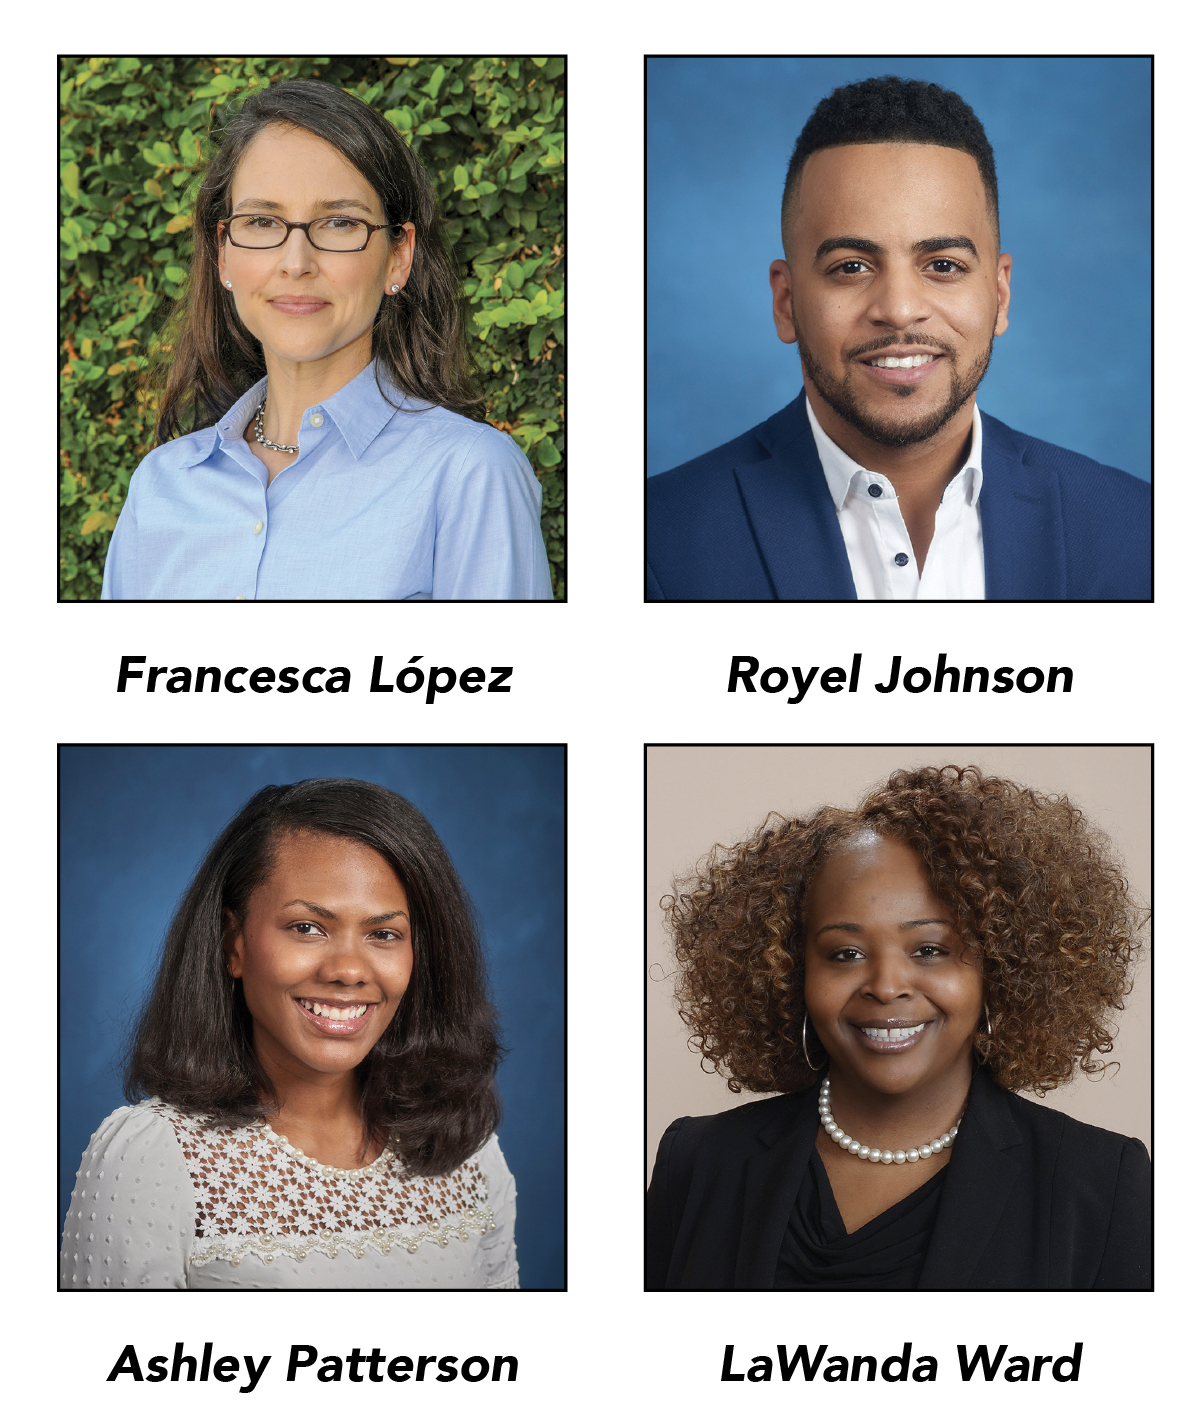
<point x="268" y="247"/>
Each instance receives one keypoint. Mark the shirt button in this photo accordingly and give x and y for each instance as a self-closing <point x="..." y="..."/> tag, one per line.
<point x="316" y="419"/>
<point x="258" y="527"/>
<point x="240" y="597"/>
<point x="901" y="558"/>
<point x="874" y="490"/>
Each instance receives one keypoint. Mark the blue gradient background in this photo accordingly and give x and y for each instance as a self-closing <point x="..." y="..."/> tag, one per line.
<point x="136" y="821"/>
<point x="1072" y="145"/>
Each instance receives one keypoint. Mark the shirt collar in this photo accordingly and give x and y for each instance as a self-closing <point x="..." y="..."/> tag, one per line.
<point x="359" y="410"/>
<point x="841" y="470"/>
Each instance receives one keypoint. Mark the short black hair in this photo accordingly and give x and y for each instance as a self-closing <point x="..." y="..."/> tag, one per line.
<point x="890" y="110"/>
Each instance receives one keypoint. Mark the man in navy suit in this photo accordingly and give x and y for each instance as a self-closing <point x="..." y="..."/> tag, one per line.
<point x="882" y="480"/>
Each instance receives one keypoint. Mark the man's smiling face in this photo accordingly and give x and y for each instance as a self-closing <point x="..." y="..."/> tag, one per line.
<point x="892" y="255"/>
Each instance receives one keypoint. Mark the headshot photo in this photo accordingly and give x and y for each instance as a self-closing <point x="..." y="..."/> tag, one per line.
<point x="310" y="1037"/>
<point x="899" y="1018"/>
<point x="880" y="365"/>
<point x="312" y="329"/>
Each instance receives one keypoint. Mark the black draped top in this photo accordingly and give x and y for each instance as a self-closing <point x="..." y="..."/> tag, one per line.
<point x="1030" y="1200"/>
<point x="886" y="1253"/>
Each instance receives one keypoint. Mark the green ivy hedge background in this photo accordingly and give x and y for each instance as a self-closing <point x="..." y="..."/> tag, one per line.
<point x="134" y="145"/>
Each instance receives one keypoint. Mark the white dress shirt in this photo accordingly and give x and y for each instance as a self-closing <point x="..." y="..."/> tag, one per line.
<point x="878" y="545"/>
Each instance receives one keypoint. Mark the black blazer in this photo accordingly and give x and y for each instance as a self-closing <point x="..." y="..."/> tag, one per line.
<point x="1032" y="1199"/>
<point x="754" y="520"/>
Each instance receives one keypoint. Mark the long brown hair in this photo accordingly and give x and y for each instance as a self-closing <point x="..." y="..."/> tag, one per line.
<point x="418" y="338"/>
<point x="427" y="1087"/>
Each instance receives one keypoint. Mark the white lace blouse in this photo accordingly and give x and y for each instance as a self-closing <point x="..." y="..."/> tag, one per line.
<point x="164" y="1201"/>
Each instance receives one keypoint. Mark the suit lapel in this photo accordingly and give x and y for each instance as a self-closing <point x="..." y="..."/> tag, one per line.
<point x="979" y="1181"/>
<point x="772" y="1180"/>
<point x="791" y="514"/>
<point x="1021" y="522"/>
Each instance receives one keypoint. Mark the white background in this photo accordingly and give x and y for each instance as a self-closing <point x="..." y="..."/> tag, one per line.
<point x="606" y="674"/>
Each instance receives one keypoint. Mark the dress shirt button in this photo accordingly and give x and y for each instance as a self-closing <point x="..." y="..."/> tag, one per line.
<point x="874" y="489"/>
<point x="901" y="558"/>
<point x="258" y="527"/>
<point x="240" y="597"/>
<point x="316" y="419"/>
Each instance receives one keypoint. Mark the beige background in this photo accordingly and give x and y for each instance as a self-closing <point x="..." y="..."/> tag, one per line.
<point x="697" y="797"/>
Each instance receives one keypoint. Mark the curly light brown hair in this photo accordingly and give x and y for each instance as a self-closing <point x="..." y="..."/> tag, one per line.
<point x="1034" y="890"/>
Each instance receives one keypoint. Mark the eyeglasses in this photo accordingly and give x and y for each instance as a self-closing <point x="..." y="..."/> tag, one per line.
<point x="329" y="235"/>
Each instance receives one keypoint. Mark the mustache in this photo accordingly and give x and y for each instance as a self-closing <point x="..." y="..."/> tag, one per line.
<point x="882" y="344"/>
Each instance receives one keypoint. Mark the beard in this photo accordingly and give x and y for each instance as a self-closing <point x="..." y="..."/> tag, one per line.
<point x="900" y="429"/>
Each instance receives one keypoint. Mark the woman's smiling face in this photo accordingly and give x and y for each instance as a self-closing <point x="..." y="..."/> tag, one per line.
<point x="303" y="304"/>
<point x="889" y="986"/>
<point x="324" y="953"/>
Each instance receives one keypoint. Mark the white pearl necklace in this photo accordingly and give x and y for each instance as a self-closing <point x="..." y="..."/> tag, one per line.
<point x="363" y="1173"/>
<point x="883" y="1157"/>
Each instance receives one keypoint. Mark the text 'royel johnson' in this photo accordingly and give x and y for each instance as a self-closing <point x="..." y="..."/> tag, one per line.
<point x="917" y="679"/>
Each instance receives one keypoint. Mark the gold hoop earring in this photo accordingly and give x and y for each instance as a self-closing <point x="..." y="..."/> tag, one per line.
<point x="804" y="1050"/>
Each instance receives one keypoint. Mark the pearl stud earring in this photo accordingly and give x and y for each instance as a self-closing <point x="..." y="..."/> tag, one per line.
<point x="396" y="287"/>
<point x="228" y="283"/>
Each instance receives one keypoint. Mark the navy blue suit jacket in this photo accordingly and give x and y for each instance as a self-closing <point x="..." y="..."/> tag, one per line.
<point x="754" y="520"/>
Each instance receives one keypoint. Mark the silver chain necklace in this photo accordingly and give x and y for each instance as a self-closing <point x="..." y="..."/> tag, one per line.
<point x="261" y="439"/>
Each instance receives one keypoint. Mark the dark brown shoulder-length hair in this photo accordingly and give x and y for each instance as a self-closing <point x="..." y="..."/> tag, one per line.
<point x="419" y="337"/>
<point x="428" y="1085"/>
<point x="1035" y="893"/>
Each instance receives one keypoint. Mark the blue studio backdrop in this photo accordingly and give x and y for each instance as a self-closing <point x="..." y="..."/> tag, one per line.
<point x="135" y="822"/>
<point x="1072" y="142"/>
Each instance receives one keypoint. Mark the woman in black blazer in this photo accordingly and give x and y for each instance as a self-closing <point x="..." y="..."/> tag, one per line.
<point x="899" y="972"/>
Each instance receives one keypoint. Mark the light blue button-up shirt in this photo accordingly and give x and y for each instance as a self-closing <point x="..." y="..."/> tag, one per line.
<point x="379" y="504"/>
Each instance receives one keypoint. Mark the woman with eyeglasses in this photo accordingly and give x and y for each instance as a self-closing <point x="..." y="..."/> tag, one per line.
<point x="894" y="974"/>
<point x="320" y="436"/>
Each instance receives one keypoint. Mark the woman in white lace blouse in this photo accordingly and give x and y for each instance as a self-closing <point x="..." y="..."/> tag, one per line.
<point x="318" y="1053"/>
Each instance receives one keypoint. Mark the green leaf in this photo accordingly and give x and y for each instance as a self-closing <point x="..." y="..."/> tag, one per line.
<point x="223" y="82"/>
<point x="71" y="181"/>
<point x="459" y="177"/>
<point x="436" y="80"/>
<point x="546" y="454"/>
<point x="177" y="275"/>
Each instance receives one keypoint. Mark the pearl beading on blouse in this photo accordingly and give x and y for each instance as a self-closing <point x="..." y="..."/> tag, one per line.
<point x="164" y="1199"/>
<point x="381" y="1161"/>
